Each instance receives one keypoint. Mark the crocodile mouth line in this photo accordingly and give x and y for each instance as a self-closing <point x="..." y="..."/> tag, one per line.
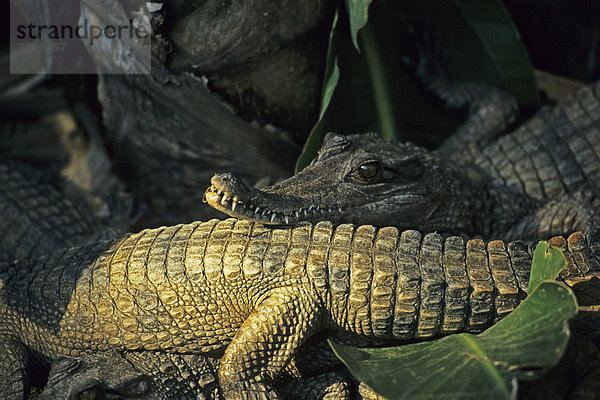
<point x="238" y="207"/>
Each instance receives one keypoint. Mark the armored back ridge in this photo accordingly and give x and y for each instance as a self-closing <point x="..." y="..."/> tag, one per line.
<point x="401" y="285"/>
<point x="173" y="278"/>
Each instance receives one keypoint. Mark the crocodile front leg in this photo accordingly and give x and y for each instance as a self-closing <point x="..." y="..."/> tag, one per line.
<point x="266" y="342"/>
<point x="571" y="213"/>
<point x="490" y="110"/>
<point x="14" y="364"/>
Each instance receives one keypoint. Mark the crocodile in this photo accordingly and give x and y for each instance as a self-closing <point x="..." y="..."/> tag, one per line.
<point x="36" y="218"/>
<point x="540" y="180"/>
<point x="39" y="218"/>
<point x="251" y="295"/>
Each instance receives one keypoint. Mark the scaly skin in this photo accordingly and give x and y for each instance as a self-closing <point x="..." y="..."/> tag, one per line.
<point x="253" y="295"/>
<point x="168" y="132"/>
<point x="363" y="179"/>
<point x="555" y="153"/>
<point x="39" y="219"/>
<point x="541" y="180"/>
<point x="36" y="218"/>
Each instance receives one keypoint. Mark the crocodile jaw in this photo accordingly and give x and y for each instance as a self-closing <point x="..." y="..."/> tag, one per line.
<point x="232" y="196"/>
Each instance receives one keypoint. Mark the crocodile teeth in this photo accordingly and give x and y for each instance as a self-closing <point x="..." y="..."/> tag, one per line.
<point x="317" y="209"/>
<point x="287" y="219"/>
<point x="233" y="204"/>
<point x="256" y="210"/>
<point x="224" y="200"/>
<point x="305" y="211"/>
<point x="273" y="216"/>
<point x="297" y="214"/>
<point x="265" y="212"/>
<point x="339" y="209"/>
<point x="310" y="209"/>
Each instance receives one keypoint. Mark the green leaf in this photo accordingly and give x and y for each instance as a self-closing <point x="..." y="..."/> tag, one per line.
<point x="372" y="91"/>
<point x="330" y="85"/>
<point x="379" y="82"/>
<point x="313" y="143"/>
<point x="498" y="35"/>
<point x="332" y="77"/>
<point x="547" y="263"/>
<point x="358" y="12"/>
<point x="482" y="43"/>
<point x="486" y="366"/>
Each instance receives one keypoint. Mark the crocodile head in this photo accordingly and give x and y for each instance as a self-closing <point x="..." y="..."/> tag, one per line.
<point x="362" y="179"/>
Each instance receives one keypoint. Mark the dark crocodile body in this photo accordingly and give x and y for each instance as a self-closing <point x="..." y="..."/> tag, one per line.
<point x="543" y="179"/>
<point x="36" y="218"/>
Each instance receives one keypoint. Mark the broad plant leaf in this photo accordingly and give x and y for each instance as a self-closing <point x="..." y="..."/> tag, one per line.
<point x="358" y="12"/>
<point x="547" y="263"/>
<point x="368" y="92"/>
<point x="486" y="366"/>
<point x="332" y="77"/>
<point x="498" y="35"/>
<point x="375" y="91"/>
<point x="481" y="42"/>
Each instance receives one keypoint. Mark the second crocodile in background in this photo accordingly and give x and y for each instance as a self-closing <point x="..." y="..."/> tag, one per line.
<point x="541" y="180"/>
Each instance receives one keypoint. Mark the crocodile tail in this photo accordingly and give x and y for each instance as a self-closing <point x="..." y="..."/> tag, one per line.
<point x="403" y="285"/>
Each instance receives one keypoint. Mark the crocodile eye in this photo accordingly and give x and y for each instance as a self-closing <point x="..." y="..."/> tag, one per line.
<point x="367" y="172"/>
